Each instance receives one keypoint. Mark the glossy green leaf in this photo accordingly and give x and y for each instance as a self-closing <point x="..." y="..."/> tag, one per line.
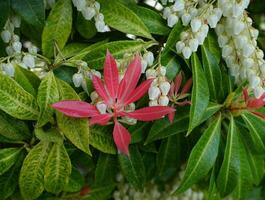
<point x="213" y="73"/>
<point x="105" y="170"/>
<point x="15" y="101"/>
<point x="76" y="130"/>
<point x="168" y="157"/>
<point x="210" y="111"/>
<point x="8" y="157"/>
<point x="163" y="128"/>
<point x="4" y="10"/>
<point x="203" y="155"/>
<point x="170" y="61"/>
<point x="57" y="28"/>
<point x="138" y="132"/>
<point x="32" y="11"/>
<point x="86" y="28"/>
<point x="153" y="21"/>
<point x="228" y="175"/>
<point x="27" y="79"/>
<point x="256" y="135"/>
<point x="76" y="181"/>
<point x="32" y="172"/>
<point x="211" y="43"/>
<point x="119" y="17"/>
<point x="200" y="93"/>
<point x="101" y="139"/>
<point x="212" y="191"/>
<point x="133" y="167"/>
<point x="57" y="169"/>
<point x="47" y="94"/>
<point x="174" y="36"/>
<point x="52" y="135"/>
<point x="95" y="57"/>
<point x="12" y="128"/>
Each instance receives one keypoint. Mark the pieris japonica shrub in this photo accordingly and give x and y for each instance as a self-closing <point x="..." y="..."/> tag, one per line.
<point x="132" y="100"/>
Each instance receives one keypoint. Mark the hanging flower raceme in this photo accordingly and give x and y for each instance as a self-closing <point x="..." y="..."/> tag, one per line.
<point x="116" y="95"/>
<point x="176" y="97"/>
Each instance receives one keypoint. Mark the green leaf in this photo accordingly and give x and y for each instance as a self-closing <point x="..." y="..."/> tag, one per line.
<point x="105" y="170"/>
<point x="213" y="73"/>
<point x="245" y="176"/>
<point x="57" y="28"/>
<point x="99" y="193"/>
<point x="13" y="129"/>
<point x="211" y="43"/>
<point x="170" y="61"/>
<point x="32" y="171"/>
<point x="101" y="139"/>
<point x="52" y="135"/>
<point x="119" y="17"/>
<point x="200" y="93"/>
<point x="210" y="111"/>
<point x="203" y="155"/>
<point x="174" y="36"/>
<point x="8" y="157"/>
<point x="138" y="132"/>
<point x="133" y="167"/>
<point x="256" y="127"/>
<point x="27" y="79"/>
<point x="86" y="28"/>
<point x="15" y="101"/>
<point x="228" y="175"/>
<point x="168" y="157"/>
<point x="47" y="94"/>
<point x="163" y="128"/>
<point x="32" y="11"/>
<point x="57" y="169"/>
<point x="4" y="10"/>
<point x="96" y="56"/>
<point x="76" y="130"/>
<point x="212" y="191"/>
<point x="76" y="181"/>
<point x="153" y="21"/>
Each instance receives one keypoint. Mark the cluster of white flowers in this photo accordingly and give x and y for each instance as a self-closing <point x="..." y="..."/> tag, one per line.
<point x="147" y="60"/>
<point x="151" y="191"/>
<point x="160" y="86"/>
<point x="91" y="9"/>
<point x="14" y="49"/>
<point x="238" y="40"/>
<point x="199" y="16"/>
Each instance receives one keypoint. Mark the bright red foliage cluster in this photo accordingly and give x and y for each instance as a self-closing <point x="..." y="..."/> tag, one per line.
<point x="116" y="95"/>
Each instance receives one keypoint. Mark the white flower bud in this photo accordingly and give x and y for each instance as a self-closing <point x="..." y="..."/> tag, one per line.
<point x="164" y="87"/>
<point x="186" y="52"/>
<point x="222" y="40"/>
<point x="184" y="35"/>
<point x="254" y="33"/>
<point x="237" y="10"/>
<point x="179" y="5"/>
<point x="100" y="26"/>
<point x="129" y="121"/>
<point x="17" y="46"/>
<point x="195" y="24"/>
<point x="172" y="20"/>
<point x="150" y="73"/>
<point x="97" y="5"/>
<point x="193" y="12"/>
<point x="144" y="65"/>
<point x="166" y="12"/>
<point x="9" y="69"/>
<point x="162" y="70"/>
<point x="163" y="100"/>
<point x="88" y="13"/>
<point x="260" y="54"/>
<point x="258" y="91"/>
<point x="227" y="51"/>
<point x="193" y="44"/>
<point x="97" y="73"/>
<point x="80" y="4"/>
<point x="248" y="50"/>
<point x="77" y="79"/>
<point x="102" y="107"/>
<point x="29" y="61"/>
<point x="33" y="49"/>
<point x="186" y="17"/>
<point x="153" y="93"/>
<point x="179" y="46"/>
<point x="241" y="41"/>
<point x="219" y="29"/>
<point x="248" y="62"/>
<point x="93" y="96"/>
<point x="15" y="38"/>
<point x="238" y="27"/>
<point x="149" y="57"/>
<point x="6" y="36"/>
<point x="9" y="50"/>
<point x="212" y="21"/>
<point x="254" y="81"/>
<point x="153" y="103"/>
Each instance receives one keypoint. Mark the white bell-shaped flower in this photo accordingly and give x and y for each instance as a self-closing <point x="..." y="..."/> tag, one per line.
<point x="88" y="13"/>
<point x="29" y="61"/>
<point x="196" y="24"/>
<point x="185" y="18"/>
<point x="144" y="65"/>
<point x="193" y="44"/>
<point x="154" y="93"/>
<point x="17" y="46"/>
<point x="102" y="107"/>
<point x="179" y="46"/>
<point x="162" y="70"/>
<point x="9" y="69"/>
<point x="172" y="20"/>
<point x="179" y="5"/>
<point x="258" y="91"/>
<point x="6" y="36"/>
<point x="163" y="100"/>
<point x="77" y="79"/>
<point x="150" y="73"/>
<point x="164" y="87"/>
<point x="94" y="96"/>
<point x="186" y="51"/>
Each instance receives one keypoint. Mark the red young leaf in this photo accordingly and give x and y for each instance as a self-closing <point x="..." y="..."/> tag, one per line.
<point x="121" y="89"/>
<point x="187" y="86"/>
<point x="101" y="119"/>
<point x="171" y="116"/>
<point x="245" y="94"/>
<point x="149" y="113"/>
<point x="178" y="82"/>
<point x="122" y="138"/>
<point x="77" y="109"/>
<point x="100" y="89"/>
<point x="84" y="191"/>
<point x="259" y="115"/>
<point x="132" y="76"/>
<point x="138" y="92"/>
<point x="111" y="75"/>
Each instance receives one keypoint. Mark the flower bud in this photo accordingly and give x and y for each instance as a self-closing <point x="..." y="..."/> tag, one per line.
<point x="195" y="24"/>
<point x="193" y="44"/>
<point x="93" y="96"/>
<point x="164" y="87"/>
<point x="150" y="73"/>
<point x="153" y="93"/>
<point x="212" y="21"/>
<point x="172" y="20"/>
<point x="17" y="46"/>
<point x="77" y="79"/>
<point x="144" y="65"/>
<point x="29" y="61"/>
<point x="88" y="13"/>
<point x="248" y="50"/>
<point x="9" y="69"/>
<point x="149" y="57"/>
<point x="186" y="17"/>
<point x="153" y="103"/>
<point x="258" y="91"/>
<point x="100" y="25"/>
<point x="102" y="107"/>
<point x="222" y="40"/>
<point x="248" y="62"/>
<point x="6" y="36"/>
<point x="254" y="81"/>
<point x="179" y="5"/>
<point x="163" y="100"/>
<point x="179" y="46"/>
<point x="186" y="52"/>
<point x="162" y="70"/>
<point x="166" y="12"/>
<point x="9" y="50"/>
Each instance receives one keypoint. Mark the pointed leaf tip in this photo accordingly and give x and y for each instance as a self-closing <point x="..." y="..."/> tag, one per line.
<point x="122" y="138"/>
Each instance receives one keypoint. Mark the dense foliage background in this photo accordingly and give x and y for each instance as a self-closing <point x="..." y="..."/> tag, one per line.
<point x="213" y="149"/>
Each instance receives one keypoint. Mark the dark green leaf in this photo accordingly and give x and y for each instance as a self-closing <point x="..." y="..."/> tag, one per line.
<point x="8" y="157"/>
<point x="52" y="135"/>
<point x="99" y="193"/>
<point x="4" y="10"/>
<point x="86" y="28"/>
<point x="76" y="181"/>
<point x="174" y="36"/>
<point x="211" y="43"/>
<point x="170" y="61"/>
